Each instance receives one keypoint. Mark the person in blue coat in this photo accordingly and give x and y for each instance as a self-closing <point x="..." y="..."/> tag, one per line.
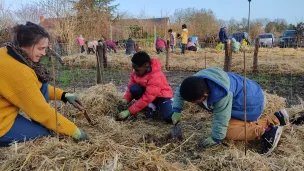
<point x="223" y="36"/>
<point x="222" y="93"/>
<point x="130" y="46"/>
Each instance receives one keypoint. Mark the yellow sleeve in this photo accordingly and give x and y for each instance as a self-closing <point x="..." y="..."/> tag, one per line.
<point x="28" y="98"/>
<point x="59" y="93"/>
<point x="183" y="34"/>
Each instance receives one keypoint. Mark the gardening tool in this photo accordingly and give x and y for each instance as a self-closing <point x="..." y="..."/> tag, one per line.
<point x="176" y="132"/>
<point x="78" y="106"/>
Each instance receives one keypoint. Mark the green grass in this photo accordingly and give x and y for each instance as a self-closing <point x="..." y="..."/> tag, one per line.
<point x="67" y="77"/>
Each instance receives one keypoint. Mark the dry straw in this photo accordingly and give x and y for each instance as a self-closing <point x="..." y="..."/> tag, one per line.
<point x="140" y="145"/>
<point x="272" y="61"/>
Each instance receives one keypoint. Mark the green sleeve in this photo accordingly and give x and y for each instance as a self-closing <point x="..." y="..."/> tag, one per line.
<point x="221" y="117"/>
<point x="178" y="101"/>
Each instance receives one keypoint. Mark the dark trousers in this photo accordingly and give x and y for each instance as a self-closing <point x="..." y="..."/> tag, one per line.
<point x="82" y="49"/>
<point x="192" y="48"/>
<point x="162" y="103"/>
<point x="159" y="50"/>
<point x="184" y="46"/>
<point x="91" y="50"/>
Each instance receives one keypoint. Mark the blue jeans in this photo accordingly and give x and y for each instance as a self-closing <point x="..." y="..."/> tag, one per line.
<point x="23" y="130"/>
<point x="164" y="104"/>
<point x="172" y="48"/>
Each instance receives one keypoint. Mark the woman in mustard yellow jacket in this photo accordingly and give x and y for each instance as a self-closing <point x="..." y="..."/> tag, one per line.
<point x="24" y="85"/>
<point x="184" y="37"/>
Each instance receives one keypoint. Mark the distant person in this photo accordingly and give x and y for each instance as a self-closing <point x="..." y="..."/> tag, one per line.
<point x="172" y="39"/>
<point x="59" y="46"/>
<point x="235" y="45"/>
<point x="191" y="46"/>
<point x="184" y="38"/>
<point x="137" y="47"/>
<point x="80" y="41"/>
<point x="223" y="35"/>
<point x="92" y="46"/>
<point x="194" y="39"/>
<point x="179" y="41"/>
<point x="130" y="46"/>
<point x="160" y="45"/>
<point x="111" y="45"/>
<point x="245" y="41"/>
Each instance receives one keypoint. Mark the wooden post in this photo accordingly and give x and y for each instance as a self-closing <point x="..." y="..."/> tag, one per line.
<point x="104" y="59"/>
<point x="255" y="56"/>
<point x="228" y="57"/>
<point x="167" y="55"/>
<point x="99" y="56"/>
<point x="245" y="102"/>
<point x="205" y="61"/>
<point x="154" y="35"/>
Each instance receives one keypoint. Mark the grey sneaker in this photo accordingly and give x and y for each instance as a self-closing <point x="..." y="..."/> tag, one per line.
<point x="271" y="138"/>
<point x="283" y="117"/>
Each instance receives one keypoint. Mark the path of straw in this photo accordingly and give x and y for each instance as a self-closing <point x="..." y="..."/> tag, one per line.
<point x="124" y="145"/>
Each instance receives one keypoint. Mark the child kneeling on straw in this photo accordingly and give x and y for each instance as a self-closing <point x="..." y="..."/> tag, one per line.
<point x="149" y="86"/>
<point x="222" y="93"/>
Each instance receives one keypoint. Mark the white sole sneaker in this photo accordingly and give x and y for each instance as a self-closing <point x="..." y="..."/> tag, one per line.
<point x="276" y="140"/>
<point x="286" y="116"/>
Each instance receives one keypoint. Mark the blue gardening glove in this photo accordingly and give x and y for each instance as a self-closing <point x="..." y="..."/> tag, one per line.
<point x="73" y="99"/>
<point x="79" y="135"/>
<point x="208" y="142"/>
<point x="123" y="115"/>
<point x="176" y="117"/>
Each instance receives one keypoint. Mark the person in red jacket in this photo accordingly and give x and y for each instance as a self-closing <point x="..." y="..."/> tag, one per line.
<point x="160" y="45"/>
<point x="149" y="86"/>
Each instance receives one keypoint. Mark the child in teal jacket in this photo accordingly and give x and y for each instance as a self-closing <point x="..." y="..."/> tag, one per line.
<point x="222" y="93"/>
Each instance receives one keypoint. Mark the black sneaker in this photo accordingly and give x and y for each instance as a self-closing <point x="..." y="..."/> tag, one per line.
<point x="271" y="138"/>
<point x="283" y="117"/>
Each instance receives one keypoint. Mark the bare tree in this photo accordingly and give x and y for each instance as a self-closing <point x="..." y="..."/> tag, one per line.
<point x="6" y="22"/>
<point x="29" y="12"/>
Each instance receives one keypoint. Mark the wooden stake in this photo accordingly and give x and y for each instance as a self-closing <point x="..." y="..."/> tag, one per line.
<point x="55" y="104"/>
<point x="228" y="57"/>
<point x="205" y="60"/>
<point x="255" y="56"/>
<point x="167" y="55"/>
<point x="245" y="106"/>
<point x="99" y="56"/>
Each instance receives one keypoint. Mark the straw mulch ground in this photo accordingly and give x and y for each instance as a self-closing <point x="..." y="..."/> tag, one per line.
<point x="140" y="144"/>
<point x="271" y="60"/>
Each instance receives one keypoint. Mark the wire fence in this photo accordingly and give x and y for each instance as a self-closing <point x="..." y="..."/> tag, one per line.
<point x="273" y="76"/>
<point x="286" y="85"/>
